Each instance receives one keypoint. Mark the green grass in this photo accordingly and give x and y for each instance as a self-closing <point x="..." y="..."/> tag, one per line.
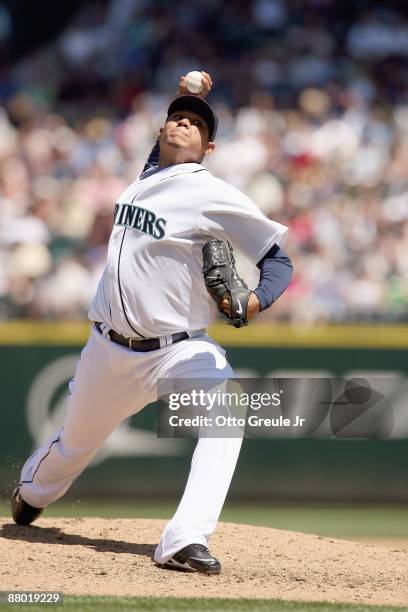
<point x="331" y="520"/>
<point x="162" y="604"/>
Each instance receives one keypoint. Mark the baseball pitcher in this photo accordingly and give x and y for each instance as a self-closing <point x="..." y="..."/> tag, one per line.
<point x="174" y="232"/>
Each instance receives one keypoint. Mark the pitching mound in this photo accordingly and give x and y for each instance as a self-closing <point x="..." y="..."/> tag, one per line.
<point x="113" y="557"/>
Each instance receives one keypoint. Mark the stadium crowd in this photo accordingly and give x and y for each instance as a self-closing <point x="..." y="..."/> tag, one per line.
<point x="313" y="111"/>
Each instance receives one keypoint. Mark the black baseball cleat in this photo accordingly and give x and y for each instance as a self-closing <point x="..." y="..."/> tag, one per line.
<point x="21" y="511"/>
<point x="194" y="557"/>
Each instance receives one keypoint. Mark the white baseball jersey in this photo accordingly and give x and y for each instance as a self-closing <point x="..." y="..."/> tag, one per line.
<point x="152" y="284"/>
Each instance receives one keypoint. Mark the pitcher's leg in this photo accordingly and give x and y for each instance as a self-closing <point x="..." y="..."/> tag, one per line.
<point x="213" y="462"/>
<point x="97" y="403"/>
<point x="196" y="518"/>
<point x="50" y="471"/>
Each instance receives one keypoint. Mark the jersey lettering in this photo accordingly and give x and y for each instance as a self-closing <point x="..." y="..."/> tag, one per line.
<point x="139" y="218"/>
<point x="149" y="219"/>
<point x="159" y="229"/>
<point x="146" y="221"/>
<point x="129" y="215"/>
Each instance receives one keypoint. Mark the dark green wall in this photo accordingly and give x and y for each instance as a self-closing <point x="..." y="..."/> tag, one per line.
<point x="270" y="469"/>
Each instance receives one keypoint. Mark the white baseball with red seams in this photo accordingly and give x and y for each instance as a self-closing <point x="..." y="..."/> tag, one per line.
<point x="152" y="287"/>
<point x="194" y="82"/>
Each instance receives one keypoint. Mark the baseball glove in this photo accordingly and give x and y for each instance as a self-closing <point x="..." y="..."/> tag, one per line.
<point x="222" y="281"/>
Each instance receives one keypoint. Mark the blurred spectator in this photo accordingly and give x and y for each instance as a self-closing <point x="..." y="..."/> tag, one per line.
<point x="312" y="100"/>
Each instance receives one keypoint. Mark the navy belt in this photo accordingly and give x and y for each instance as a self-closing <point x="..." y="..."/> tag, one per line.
<point x="145" y="345"/>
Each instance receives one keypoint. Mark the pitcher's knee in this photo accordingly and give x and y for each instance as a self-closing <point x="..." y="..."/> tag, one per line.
<point x="71" y="460"/>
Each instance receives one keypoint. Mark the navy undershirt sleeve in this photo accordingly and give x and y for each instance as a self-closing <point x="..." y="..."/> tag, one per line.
<point x="276" y="273"/>
<point x="153" y="158"/>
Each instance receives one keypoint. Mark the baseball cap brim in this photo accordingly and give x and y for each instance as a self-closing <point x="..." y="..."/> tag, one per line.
<point x="198" y="106"/>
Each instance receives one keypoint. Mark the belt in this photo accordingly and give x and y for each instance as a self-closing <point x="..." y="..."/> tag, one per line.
<point x="145" y="345"/>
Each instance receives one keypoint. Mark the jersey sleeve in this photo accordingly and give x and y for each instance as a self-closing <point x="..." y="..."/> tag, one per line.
<point x="230" y="215"/>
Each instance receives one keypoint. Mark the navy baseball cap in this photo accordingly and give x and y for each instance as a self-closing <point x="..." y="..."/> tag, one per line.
<point x="198" y="106"/>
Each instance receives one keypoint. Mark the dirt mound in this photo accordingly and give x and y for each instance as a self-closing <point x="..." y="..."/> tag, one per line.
<point x="113" y="557"/>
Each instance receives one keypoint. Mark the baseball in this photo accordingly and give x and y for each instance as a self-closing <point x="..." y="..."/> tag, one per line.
<point x="194" y="83"/>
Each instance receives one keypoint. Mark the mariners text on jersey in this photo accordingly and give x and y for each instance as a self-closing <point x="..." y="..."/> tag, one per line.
<point x="141" y="219"/>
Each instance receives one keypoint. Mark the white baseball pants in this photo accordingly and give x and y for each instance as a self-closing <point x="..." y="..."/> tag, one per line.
<point x="112" y="383"/>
